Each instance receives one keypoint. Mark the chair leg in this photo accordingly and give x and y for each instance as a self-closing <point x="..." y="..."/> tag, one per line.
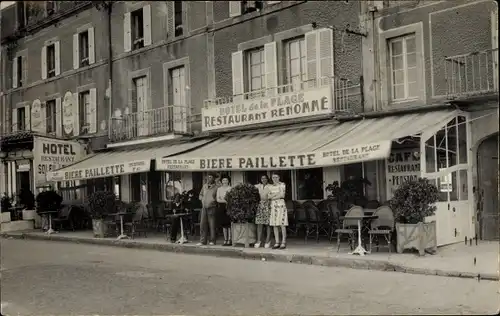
<point x="338" y="242"/>
<point x="371" y="237"/>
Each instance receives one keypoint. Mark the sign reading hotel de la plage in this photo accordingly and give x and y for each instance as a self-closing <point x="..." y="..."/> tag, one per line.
<point x="254" y="111"/>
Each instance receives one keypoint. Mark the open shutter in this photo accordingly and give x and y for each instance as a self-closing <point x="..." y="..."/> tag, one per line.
<point x="43" y="117"/>
<point x="127" y="33"/>
<point x="76" y="111"/>
<point x="93" y="111"/>
<point x="25" y="70"/>
<point x="325" y="55"/>
<point x="170" y="19"/>
<point x="146" y="15"/>
<point x="14" y="120"/>
<point x="234" y="8"/>
<point x="58" y="118"/>
<point x="44" y="62"/>
<point x="14" y="72"/>
<point x="270" y="59"/>
<point x="91" y="45"/>
<point x="494" y="41"/>
<point x="311" y="39"/>
<point x="27" y="118"/>
<point x="76" y="51"/>
<point x="237" y="65"/>
<point x="57" y="58"/>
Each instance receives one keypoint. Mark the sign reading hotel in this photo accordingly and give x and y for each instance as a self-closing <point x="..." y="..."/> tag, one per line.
<point x="282" y="107"/>
<point x="402" y="165"/>
<point x="52" y="154"/>
<point x="274" y="162"/>
<point x="110" y="170"/>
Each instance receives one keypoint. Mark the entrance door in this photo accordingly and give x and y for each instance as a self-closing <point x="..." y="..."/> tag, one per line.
<point x="487" y="169"/>
<point x="143" y="123"/>
<point x="179" y="100"/>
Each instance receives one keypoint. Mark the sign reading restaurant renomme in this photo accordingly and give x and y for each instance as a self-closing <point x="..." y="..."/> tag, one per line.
<point x="253" y="111"/>
<point x="280" y="161"/>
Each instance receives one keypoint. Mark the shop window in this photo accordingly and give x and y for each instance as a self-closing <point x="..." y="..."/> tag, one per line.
<point x="197" y="178"/>
<point x="430" y="155"/>
<point x="255" y="72"/>
<point x="172" y="184"/>
<point x="441" y="160"/>
<point x="451" y="142"/>
<point x="462" y="139"/>
<point x="135" y="187"/>
<point x="253" y="177"/>
<point x="310" y="184"/>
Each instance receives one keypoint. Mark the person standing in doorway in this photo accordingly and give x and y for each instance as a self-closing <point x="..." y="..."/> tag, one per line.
<point x="263" y="212"/>
<point x="279" y="214"/>
<point x="209" y="206"/>
<point x="223" y="217"/>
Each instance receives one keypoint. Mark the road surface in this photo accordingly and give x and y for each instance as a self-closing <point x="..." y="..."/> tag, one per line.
<point x="47" y="277"/>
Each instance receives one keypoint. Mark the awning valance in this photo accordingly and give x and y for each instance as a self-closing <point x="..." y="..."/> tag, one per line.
<point x="307" y="147"/>
<point x="119" y="162"/>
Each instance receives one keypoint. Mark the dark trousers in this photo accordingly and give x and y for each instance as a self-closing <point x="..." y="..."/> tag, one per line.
<point x="207" y="224"/>
<point x="175" y="226"/>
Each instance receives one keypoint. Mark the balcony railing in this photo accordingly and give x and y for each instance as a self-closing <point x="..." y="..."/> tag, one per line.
<point x="472" y="74"/>
<point x="21" y="127"/>
<point x="348" y="95"/>
<point x="166" y="120"/>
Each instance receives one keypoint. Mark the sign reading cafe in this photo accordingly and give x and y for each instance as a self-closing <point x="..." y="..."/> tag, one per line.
<point x="254" y="111"/>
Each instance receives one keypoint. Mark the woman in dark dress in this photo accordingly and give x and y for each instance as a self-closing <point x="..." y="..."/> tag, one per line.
<point x="177" y="208"/>
<point x="223" y="218"/>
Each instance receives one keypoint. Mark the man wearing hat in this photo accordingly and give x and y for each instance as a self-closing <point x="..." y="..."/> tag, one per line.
<point x="208" y="211"/>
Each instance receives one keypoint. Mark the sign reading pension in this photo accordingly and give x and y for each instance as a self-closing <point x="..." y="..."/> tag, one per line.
<point x="282" y="107"/>
<point x="108" y="170"/>
<point x="279" y="161"/>
<point x="402" y="165"/>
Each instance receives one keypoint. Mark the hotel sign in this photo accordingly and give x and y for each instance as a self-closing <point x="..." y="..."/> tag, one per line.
<point x="341" y="156"/>
<point x="283" y="107"/>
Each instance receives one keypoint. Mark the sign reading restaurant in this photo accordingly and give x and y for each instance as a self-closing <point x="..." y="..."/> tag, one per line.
<point x="253" y="111"/>
<point x="280" y="161"/>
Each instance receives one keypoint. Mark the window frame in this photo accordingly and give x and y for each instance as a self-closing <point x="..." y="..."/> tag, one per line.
<point x="83" y="109"/>
<point x="249" y="92"/>
<point x="51" y="116"/>
<point x="404" y="55"/>
<point x="83" y="60"/>
<point x="21" y="118"/>
<point x="137" y="28"/>
<point x="178" y="18"/>
<point x="20" y="71"/>
<point x="51" y="55"/>
<point x="287" y="77"/>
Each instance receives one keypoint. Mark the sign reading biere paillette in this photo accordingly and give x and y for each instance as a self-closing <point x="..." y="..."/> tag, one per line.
<point x="283" y="107"/>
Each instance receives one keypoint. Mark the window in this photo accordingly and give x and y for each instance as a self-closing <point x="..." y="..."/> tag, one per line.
<point x="21" y="18"/>
<point x="255" y="73"/>
<point x="51" y="60"/>
<point x="172" y="184"/>
<point x="51" y="116"/>
<point x="404" y="82"/>
<point x="178" y="18"/>
<point x="179" y="111"/>
<point x="21" y="119"/>
<point x="295" y="52"/>
<point x="83" y="43"/>
<point x="310" y="184"/>
<point x="117" y="187"/>
<point x="253" y="177"/>
<point x="251" y="6"/>
<point x="50" y="7"/>
<point x="84" y="111"/>
<point x="17" y="72"/>
<point x="137" y="29"/>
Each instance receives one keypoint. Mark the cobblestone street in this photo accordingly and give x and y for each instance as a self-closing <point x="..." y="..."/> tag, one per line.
<point x="40" y="278"/>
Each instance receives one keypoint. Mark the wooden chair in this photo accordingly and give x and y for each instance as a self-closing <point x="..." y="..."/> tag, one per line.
<point x="316" y="223"/>
<point x="382" y="226"/>
<point x="334" y="218"/>
<point x="138" y="224"/>
<point x="300" y="217"/>
<point x="195" y="221"/>
<point x="349" y="226"/>
<point x="64" y="218"/>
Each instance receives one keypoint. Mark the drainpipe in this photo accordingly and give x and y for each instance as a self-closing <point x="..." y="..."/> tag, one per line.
<point x="376" y="65"/>
<point x="109" y="10"/>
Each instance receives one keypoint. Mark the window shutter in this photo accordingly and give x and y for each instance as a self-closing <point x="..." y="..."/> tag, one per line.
<point x="270" y="59"/>
<point x="76" y="51"/>
<point x="91" y="45"/>
<point x="27" y="118"/>
<point x="14" y="120"/>
<point x="170" y="19"/>
<point x="14" y="72"/>
<point x="234" y="8"/>
<point x="146" y="13"/>
<point x="237" y="66"/>
<point x="76" y="111"/>
<point x="93" y="111"/>
<point x="25" y="70"/>
<point x="325" y="55"/>
<point x="44" y="62"/>
<point x="57" y="58"/>
<point x="127" y="33"/>
<point x="311" y="39"/>
<point x="58" y="118"/>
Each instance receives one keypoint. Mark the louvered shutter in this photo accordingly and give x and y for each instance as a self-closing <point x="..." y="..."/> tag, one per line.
<point x="271" y="65"/>
<point x="57" y="58"/>
<point x="311" y="39"/>
<point x="76" y="117"/>
<point x="325" y="55"/>
<point x="127" y="33"/>
<point x="27" y="118"/>
<point x="146" y="13"/>
<point x="76" y="51"/>
<point x="93" y="111"/>
<point x="14" y="120"/>
<point x="91" y="45"/>
<point x="237" y="71"/>
<point x="14" y="73"/>
<point x="170" y="19"/>
<point x="58" y="118"/>
<point x="44" y="62"/>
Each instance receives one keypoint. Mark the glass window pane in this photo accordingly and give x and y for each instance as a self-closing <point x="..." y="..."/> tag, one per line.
<point x="302" y="47"/>
<point x="256" y="84"/>
<point x="310" y="184"/>
<point x="410" y="44"/>
<point x="452" y="143"/>
<point x="411" y="60"/>
<point x="397" y="47"/>
<point x="398" y="77"/>
<point x="442" y="185"/>
<point x="412" y="90"/>
<point x="255" y="71"/>
<point x="462" y="139"/>
<point x="412" y="74"/>
<point x="430" y="155"/>
<point x="398" y="92"/>
<point x="294" y="49"/>
<point x="463" y="193"/>
<point x="453" y="186"/>
<point x="441" y="149"/>
<point x="294" y="67"/>
<point x="397" y="63"/>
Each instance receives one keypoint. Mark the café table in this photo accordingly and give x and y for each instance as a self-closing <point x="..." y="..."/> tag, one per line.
<point x="122" y="232"/>
<point x="182" y="239"/>
<point x="360" y="250"/>
<point x="49" y="213"/>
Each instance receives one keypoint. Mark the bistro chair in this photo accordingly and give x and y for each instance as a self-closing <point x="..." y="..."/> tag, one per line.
<point x="292" y="227"/>
<point x="382" y="226"/>
<point x="372" y="205"/>
<point x="300" y="218"/>
<point x="64" y="219"/>
<point x="349" y="226"/>
<point x="195" y="221"/>
<point x="315" y="222"/>
<point x="138" y="224"/>
<point x="334" y="218"/>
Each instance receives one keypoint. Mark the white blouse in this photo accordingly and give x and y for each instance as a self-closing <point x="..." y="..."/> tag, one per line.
<point x="263" y="190"/>
<point x="221" y="194"/>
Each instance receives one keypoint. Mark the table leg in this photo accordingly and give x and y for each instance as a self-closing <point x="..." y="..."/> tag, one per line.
<point x="182" y="240"/>
<point x="50" y="231"/>
<point x="122" y="235"/>
<point x="359" y="249"/>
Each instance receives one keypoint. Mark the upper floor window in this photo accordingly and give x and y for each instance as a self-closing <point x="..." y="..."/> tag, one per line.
<point x="84" y="112"/>
<point x="403" y="61"/>
<point x="51" y="113"/>
<point x="21" y="119"/>
<point x="255" y="72"/>
<point x="83" y="48"/>
<point x="295" y="63"/>
<point x="137" y="29"/>
<point x="241" y="7"/>
<point x="51" y="60"/>
<point x="21" y="17"/>
<point x="178" y="18"/>
<point x="19" y="71"/>
<point x="50" y="7"/>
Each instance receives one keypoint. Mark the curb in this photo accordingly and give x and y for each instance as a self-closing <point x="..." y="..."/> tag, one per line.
<point x="364" y="264"/>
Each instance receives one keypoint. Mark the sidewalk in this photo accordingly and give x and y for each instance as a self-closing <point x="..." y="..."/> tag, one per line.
<point x="453" y="261"/>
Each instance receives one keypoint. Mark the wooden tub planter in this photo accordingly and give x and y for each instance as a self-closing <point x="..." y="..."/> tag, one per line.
<point x="421" y="236"/>
<point x="244" y="233"/>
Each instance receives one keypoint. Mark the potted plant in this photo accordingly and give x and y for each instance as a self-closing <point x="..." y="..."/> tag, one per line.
<point x="350" y="192"/>
<point x="47" y="201"/>
<point x="413" y="201"/>
<point x="101" y="203"/>
<point x="5" y="206"/>
<point x="242" y="203"/>
<point x="28" y="201"/>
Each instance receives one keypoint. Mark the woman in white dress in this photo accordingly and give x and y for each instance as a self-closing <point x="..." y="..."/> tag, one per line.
<point x="279" y="214"/>
<point x="263" y="213"/>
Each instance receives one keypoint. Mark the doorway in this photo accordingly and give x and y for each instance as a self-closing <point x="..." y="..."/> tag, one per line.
<point x="23" y="178"/>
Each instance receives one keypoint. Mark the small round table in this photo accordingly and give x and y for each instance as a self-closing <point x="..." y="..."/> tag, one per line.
<point x="49" y="213"/>
<point x="360" y="250"/>
<point x="122" y="232"/>
<point x="182" y="239"/>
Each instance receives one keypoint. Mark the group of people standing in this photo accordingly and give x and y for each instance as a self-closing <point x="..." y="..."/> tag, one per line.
<point x="272" y="211"/>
